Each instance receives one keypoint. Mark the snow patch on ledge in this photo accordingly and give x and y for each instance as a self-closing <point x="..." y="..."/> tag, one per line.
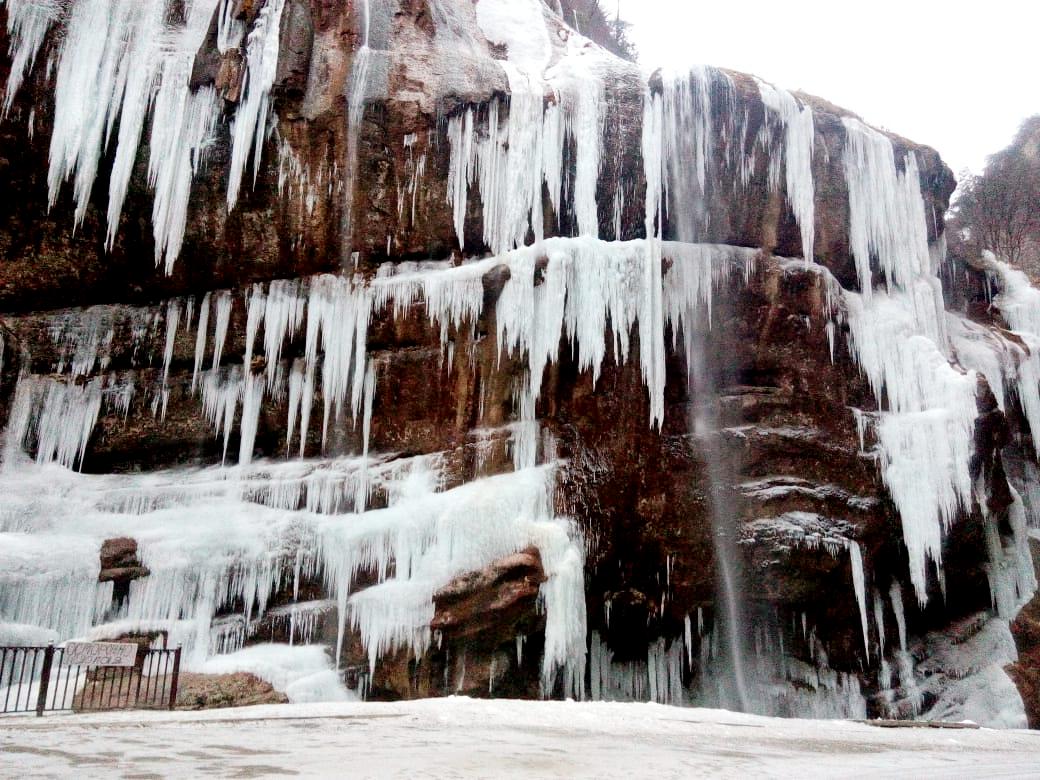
<point x="519" y="25"/>
<point x="302" y="672"/>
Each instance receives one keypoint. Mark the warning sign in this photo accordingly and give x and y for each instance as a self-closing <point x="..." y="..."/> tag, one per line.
<point x="99" y="654"/>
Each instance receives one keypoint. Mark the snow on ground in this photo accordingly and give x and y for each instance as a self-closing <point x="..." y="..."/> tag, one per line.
<point x="460" y="737"/>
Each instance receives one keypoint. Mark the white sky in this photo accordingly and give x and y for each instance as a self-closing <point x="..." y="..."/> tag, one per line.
<point x="959" y="76"/>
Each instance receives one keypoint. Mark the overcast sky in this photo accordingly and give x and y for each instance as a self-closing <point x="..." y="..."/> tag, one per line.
<point x="958" y="76"/>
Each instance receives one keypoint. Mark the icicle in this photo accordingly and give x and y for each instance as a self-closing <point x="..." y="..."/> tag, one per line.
<point x="879" y="622"/>
<point x="173" y="316"/>
<point x="799" y="138"/>
<point x="651" y="315"/>
<point x="61" y="417"/>
<point x="200" y="341"/>
<point x="366" y="431"/>
<point x="859" y="584"/>
<point x="296" y="382"/>
<point x="682" y="150"/>
<point x="580" y="86"/>
<point x="224" y="302"/>
<point x="107" y="64"/>
<point x="249" y="129"/>
<point x="252" y="402"/>
<point x="688" y="640"/>
<point x="460" y="168"/>
<point x="230" y="31"/>
<point x="256" y="305"/>
<point x="220" y="396"/>
<point x="121" y="60"/>
<point x="183" y="128"/>
<point x="27" y="24"/>
<point x="895" y="595"/>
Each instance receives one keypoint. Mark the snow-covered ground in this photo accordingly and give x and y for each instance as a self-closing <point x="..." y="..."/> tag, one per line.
<point x="459" y="737"/>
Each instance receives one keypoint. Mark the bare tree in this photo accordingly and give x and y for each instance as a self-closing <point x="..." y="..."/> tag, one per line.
<point x="999" y="210"/>
<point x="591" y="19"/>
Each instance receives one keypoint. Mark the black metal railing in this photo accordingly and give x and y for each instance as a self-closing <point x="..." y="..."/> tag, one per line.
<point x="36" y="679"/>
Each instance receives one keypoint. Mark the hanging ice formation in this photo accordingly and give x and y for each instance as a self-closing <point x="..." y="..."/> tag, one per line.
<point x="205" y="535"/>
<point x="331" y="315"/>
<point x="900" y="336"/>
<point x="121" y="64"/>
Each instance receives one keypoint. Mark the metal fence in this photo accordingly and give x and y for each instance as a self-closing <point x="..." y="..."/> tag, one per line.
<point x="36" y="679"/>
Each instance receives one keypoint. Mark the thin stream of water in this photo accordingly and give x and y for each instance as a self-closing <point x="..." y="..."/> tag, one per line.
<point x="704" y="424"/>
<point x="356" y="91"/>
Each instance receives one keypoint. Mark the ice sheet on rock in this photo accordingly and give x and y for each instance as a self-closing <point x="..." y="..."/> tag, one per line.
<point x="1010" y="571"/>
<point x="221" y="540"/>
<point x="437" y="537"/>
<point x="520" y="26"/>
<point x="303" y="673"/>
<point x="962" y="671"/>
<point x="982" y="349"/>
<point x="1019" y="303"/>
<point x="799" y="529"/>
<point x="1019" y="300"/>
<point x="50" y="581"/>
<point x="19" y="634"/>
<point x="779" y="487"/>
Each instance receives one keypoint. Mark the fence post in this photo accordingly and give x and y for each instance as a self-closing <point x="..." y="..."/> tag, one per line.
<point x="45" y="680"/>
<point x="176" y="676"/>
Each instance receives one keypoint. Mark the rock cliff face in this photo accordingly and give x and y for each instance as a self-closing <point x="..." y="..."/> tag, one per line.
<point x="428" y="331"/>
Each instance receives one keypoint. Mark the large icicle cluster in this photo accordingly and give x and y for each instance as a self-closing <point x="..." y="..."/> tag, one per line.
<point x="779" y="684"/>
<point x="1019" y="304"/>
<point x="126" y="64"/>
<point x="217" y="538"/>
<point x="234" y="535"/>
<point x="512" y="161"/>
<point x="926" y="434"/>
<point x="586" y="288"/>
<point x="925" y="424"/>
